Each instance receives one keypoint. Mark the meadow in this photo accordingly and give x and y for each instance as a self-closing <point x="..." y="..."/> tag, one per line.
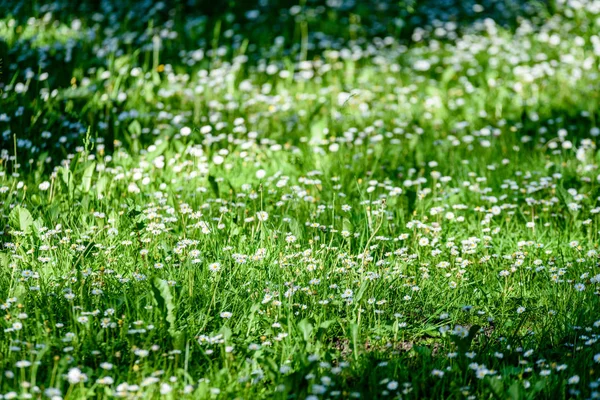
<point x="271" y="199"/>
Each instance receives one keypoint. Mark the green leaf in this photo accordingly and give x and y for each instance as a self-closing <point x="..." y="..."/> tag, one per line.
<point x="538" y="387"/>
<point x="448" y="74"/>
<point x="347" y="225"/>
<point x="180" y="339"/>
<point x="355" y="337"/>
<point x="232" y="188"/>
<point x="214" y="185"/>
<point x="135" y="128"/>
<point x="158" y="150"/>
<point x="562" y="194"/>
<point x="86" y="179"/>
<point x="422" y="351"/>
<point x="89" y="248"/>
<point x="472" y="333"/>
<point x="164" y="300"/>
<point x="101" y="186"/>
<point x="37" y="225"/>
<point x="316" y="131"/>
<point x="180" y="147"/>
<point x="306" y="329"/>
<point x="35" y="199"/>
<point x="67" y="178"/>
<point x="497" y="387"/>
<point x="361" y="292"/>
<point x="4" y="260"/>
<point x="226" y="332"/>
<point x="515" y="391"/>
<point x="464" y="344"/>
<point x="326" y="324"/>
<point x="20" y="218"/>
<point x="235" y="230"/>
<point x="19" y="292"/>
<point x="296" y="228"/>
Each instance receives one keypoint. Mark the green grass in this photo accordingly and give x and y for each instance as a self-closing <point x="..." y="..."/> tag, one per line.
<point x="325" y="200"/>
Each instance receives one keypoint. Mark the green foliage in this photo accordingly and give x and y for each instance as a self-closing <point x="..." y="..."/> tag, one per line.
<point x="316" y="199"/>
<point x="20" y="218"/>
<point x="165" y="303"/>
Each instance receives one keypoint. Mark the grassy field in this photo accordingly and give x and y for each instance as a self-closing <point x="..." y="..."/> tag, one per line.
<point x="300" y="200"/>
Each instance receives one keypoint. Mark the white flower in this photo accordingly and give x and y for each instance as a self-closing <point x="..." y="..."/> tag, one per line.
<point x="262" y="215"/>
<point x="133" y="188"/>
<point x="106" y="366"/>
<point x="438" y="373"/>
<point x="149" y="381"/>
<point x="23" y="364"/>
<point x="290" y="238"/>
<point x="165" y="388"/>
<point x="75" y="376"/>
<point x="343" y="97"/>
<point x="226" y="314"/>
<point x="185" y="131"/>
<point x="261" y="173"/>
<point x="44" y="186"/>
<point x="106" y="380"/>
